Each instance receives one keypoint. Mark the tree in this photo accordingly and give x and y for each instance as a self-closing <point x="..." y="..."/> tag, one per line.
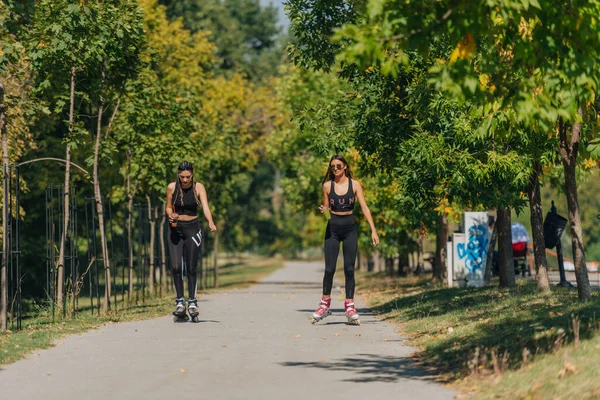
<point x="15" y="105"/>
<point x="542" y="74"/>
<point x="244" y="32"/>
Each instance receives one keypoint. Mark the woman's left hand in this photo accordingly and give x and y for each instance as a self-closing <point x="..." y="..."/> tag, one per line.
<point x="212" y="226"/>
<point x="375" y="238"/>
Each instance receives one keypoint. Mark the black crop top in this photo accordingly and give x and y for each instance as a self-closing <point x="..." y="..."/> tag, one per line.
<point x="341" y="203"/>
<point x="188" y="206"/>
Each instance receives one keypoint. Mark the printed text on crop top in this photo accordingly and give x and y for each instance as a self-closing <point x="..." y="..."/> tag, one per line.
<point x="342" y="203"/>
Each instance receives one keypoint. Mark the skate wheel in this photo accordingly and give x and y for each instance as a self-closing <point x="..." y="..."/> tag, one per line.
<point x="179" y="319"/>
<point x="195" y="319"/>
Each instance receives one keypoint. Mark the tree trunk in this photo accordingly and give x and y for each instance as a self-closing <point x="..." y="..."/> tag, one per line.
<point x="420" y="263"/>
<point x="389" y="266"/>
<point x="489" y="261"/>
<point x="60" y="272"/>
<point x="163" y="253"/>
<point x="215" y="257"/>
<point x="130" y="195"/>
<point x="537" y="229"/>
<point x="4" y="271"/>
<point x="568" y="153"/>
<point x="440" y="248"/>
<point x="151" y="246"/>
<point x="505" y="258"/>
<point x="100" y="208"/>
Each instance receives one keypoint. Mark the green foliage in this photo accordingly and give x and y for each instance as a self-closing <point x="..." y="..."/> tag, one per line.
<point x="313" y="23"/>
<point x="244" y="32"/>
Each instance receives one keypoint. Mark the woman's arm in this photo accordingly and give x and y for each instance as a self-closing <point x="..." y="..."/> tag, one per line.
<point x="325" y="201"/>
<point x="205" y="209"/>
<point x="365" y="210"/>
<point x="169" y="206"/>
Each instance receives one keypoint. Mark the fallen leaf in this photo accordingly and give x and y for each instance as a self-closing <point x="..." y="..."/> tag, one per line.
<point x="324" y="337"/>
<point x="337" y="334"/>
<point x="357" y="335"/>
<point x="297" y="335"/>
<point x="385" y="340"/>
<point x="569" y="368"/>
<point x="450" y="330"/>
<point x="182" y="370"/>
<point x="49" y="373"/>
<point x="224" y="345"/>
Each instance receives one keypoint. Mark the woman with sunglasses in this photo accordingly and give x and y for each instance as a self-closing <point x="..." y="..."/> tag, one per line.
<point x="184" y="196"/>
<point x="340" y="192"/>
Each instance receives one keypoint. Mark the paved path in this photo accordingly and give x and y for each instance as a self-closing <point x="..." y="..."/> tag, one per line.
<point x="255" y="343"/>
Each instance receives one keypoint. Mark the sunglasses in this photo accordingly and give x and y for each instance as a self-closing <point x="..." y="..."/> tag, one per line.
<point x="334" y="167"/>
<point x="185" y="167"/>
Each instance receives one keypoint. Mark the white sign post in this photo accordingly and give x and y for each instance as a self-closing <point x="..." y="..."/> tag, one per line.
<point x="449" y="266"/>
<point x="459" y="274"/>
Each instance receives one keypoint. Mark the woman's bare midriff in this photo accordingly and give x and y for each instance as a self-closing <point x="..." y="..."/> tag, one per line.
<point x="186" y="217"/>
<point x="341" y="213"/>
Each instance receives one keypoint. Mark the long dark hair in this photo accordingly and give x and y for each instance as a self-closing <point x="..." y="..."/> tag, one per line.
<point x="184" y="166"/>
<point x="329" y="174"/>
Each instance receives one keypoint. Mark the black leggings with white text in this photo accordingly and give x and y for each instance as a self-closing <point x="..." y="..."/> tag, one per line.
<point x="340" y="228"/>
<point x="184" y="247"/>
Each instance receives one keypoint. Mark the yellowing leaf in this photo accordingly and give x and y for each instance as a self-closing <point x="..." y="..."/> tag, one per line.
<point x="464" y="49"/>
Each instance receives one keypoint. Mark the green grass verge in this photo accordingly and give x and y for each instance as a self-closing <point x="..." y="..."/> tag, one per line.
<point x="39" y="332"/>
<point x="496" y="343"/>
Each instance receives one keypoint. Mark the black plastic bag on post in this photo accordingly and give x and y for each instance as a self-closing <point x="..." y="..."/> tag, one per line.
<point x="554" y="225"/>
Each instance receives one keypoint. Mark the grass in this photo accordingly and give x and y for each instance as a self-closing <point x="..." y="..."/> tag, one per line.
<point x="39" y="332"/>
<point x="496" y="343"/>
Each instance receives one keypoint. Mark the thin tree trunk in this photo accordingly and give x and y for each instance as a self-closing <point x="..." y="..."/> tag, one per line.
<point x="440" y="248"/>
<point x="505" y="258"/>
<point x="389" y="266"/>
<point x="568" y="153"/>
<point x="4" y="272"/>
<point x="129" y="227"/>
<point x="537" y="229"/>
<point x="215" y="257"/>
<point x="100" y="208"/>
<point x="163" y="253"/>
<point x="420" y="261"/>
<point x="151" y="245"/>
<point x="489" y="261"/>
<point x="63" y="237"/>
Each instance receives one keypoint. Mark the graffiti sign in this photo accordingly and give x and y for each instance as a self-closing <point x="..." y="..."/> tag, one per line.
<point x="474" y="251"/>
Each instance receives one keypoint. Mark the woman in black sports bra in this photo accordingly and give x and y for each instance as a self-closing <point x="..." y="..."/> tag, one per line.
<point x="340" y="193"/>
<point x="184" y="239"/>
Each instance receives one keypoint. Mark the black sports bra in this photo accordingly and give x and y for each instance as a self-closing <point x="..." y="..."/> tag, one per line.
<point x="187" y="205"/>
<point x="342" y="203"/>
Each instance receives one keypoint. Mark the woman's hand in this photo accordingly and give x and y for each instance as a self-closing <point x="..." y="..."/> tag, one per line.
<point x="375" y="238"/>
<point x="212" y="226"/>
<point x="322" y="208"/>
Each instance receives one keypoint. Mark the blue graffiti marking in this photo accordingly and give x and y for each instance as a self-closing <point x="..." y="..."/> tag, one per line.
<point x="475" y="249"/>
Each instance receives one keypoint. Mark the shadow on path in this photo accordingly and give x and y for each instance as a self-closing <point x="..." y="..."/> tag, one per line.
<point x="369" y="368"/>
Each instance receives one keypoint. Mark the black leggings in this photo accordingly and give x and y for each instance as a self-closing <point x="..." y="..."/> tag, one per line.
<point x="184" y="246"/>
<point x="340" y="228"/>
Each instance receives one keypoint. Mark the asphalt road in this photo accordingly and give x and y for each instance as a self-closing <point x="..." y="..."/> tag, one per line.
<point x="255" y="343"/>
